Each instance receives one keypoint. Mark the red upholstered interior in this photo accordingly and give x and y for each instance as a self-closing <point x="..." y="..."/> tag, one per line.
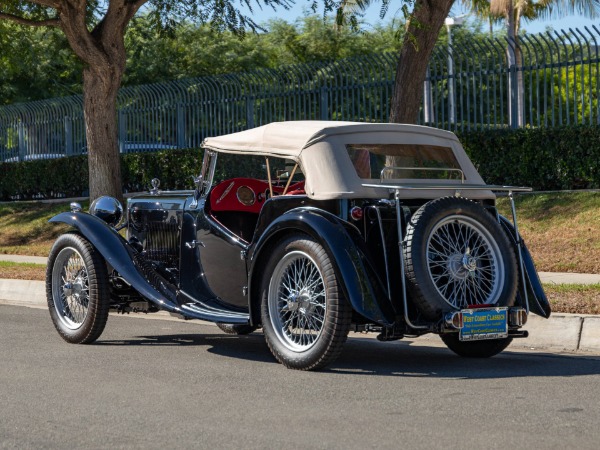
<point x="223" y="196"/>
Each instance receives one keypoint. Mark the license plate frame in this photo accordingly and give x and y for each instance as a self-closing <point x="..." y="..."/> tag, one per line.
<point x="483" y="324"/>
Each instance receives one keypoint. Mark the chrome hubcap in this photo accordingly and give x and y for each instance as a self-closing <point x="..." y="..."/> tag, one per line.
<point x="464" y="262"/>
<point x="297" y="301"/>
<point x="70" y="288"/>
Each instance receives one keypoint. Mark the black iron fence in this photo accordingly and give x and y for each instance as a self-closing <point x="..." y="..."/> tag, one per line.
<point x="548" y="79"/>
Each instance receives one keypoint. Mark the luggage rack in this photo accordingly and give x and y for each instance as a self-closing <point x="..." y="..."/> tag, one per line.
<point x="396" y="189"/>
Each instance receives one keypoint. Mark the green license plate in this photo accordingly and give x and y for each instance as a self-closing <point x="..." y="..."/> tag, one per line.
<point x="484" y="323"/>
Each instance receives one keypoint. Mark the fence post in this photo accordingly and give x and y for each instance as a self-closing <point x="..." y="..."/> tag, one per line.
<point x="22" y="144"/>
<point x="513" y="85"/>
<point x="324" y="104"/>
<point x="180" y="126"/>
<point x="122" y="131"/>
<point x="428" y="100"/>
<point x="249" y="112"/>
<point x="68" y="136"/>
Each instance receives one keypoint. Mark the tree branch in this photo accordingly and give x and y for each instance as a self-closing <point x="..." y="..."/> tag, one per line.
<point x="33" y="23"/>
<point x="137" y="4"/>
<point x="48" y="3"/>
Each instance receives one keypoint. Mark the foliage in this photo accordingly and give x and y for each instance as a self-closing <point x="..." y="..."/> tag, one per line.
<point x="36" y="64"/>
<point x="175" y="169"/>
<point x="543" y="158"/>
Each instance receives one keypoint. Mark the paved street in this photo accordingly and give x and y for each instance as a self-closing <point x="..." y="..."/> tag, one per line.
<point x="173" y="384"/>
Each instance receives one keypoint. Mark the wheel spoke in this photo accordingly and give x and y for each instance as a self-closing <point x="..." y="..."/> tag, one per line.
<point x="298" y="315"/>
<point x="463" y="260"/>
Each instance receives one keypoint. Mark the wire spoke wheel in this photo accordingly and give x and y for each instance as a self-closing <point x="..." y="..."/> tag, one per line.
<point x="304" y="317"/>
<point x="77" y="289"/>
<point x="297" y="301"/>
<point x="464" y="262"/>
<point x="458" y="256"/>
<point x="70" y="288"/>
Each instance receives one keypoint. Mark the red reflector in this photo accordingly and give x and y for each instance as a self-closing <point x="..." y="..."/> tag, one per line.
<point x="483" y="305"/>
<point x="356" y="213"/>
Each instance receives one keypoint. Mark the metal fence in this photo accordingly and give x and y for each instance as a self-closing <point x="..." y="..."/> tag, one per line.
<point x="547" y="79"/>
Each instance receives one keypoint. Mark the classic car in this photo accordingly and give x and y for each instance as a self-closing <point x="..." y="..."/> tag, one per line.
<point x="384" y="228"/>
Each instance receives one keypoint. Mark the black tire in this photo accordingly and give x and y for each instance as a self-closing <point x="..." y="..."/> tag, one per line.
<point x="476" y="349"/>
<point x="77" y="289"/>
<point x="306" y="322"/>
<point x="237" y="329"/>
<point x="457" y="255"/>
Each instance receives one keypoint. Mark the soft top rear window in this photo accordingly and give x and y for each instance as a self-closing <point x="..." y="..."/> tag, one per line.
<point x="411" y="161"/>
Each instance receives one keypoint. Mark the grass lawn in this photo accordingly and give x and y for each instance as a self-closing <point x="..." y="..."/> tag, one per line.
<point x="562" y="230"/>
<point x="24" y="227"/>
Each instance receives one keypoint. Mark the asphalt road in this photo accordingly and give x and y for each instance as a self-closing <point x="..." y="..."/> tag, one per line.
<point x="171" y="384"/>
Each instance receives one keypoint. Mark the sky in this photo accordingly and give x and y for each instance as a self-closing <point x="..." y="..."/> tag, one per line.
<point x="372" y="16"/>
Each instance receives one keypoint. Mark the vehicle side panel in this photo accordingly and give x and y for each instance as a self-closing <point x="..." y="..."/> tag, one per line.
<point x="362" y="287"/>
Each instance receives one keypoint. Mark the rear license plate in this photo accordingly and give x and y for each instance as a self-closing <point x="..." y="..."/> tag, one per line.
<point x="485" y="323"/>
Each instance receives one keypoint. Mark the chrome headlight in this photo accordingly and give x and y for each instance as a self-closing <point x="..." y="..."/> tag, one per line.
<point x="108" y="209"/>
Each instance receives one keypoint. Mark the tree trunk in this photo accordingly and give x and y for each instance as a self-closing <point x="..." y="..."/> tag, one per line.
<point x="100" y="87"/>
<point x="424" y="26"/>
<point x="102" y="51"/>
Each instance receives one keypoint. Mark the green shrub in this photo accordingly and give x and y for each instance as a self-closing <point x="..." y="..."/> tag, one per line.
<point x="543" y="158"/>
<point x="68" y="177"/>
<point x="546" y="159"/>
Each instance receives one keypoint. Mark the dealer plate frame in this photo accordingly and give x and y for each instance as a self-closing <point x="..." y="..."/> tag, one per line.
<point x="484" y="323"/>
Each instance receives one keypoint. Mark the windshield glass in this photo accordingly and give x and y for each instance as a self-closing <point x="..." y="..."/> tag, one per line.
<point x="411" y="161"/>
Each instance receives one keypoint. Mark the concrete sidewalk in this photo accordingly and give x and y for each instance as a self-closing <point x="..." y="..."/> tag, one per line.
<point x="562" y="332"/>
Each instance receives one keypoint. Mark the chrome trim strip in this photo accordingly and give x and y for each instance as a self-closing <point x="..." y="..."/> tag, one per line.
<point x="456" y="187"/>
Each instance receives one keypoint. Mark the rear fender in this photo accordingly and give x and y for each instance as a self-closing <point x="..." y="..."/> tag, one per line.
<point x="359" y="281"/>
<point x="538" y="302"/>
<point x="123" y="258"/>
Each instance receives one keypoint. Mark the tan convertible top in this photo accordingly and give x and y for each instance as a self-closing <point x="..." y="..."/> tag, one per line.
<point x="320" y="149"/>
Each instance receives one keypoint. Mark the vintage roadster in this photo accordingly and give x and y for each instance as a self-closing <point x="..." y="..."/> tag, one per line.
<point x="380" y="228"/>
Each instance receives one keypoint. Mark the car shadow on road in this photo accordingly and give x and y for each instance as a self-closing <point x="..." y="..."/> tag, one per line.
<point x="252" y="347"/>
<point x="403" y="359"/>
<point x="365" y="356"/>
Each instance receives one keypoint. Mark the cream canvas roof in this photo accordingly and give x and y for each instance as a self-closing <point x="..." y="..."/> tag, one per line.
<point x="288" y="139"/>
<point x="320" y="148"/>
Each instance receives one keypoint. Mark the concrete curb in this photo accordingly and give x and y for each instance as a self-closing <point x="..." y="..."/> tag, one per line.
<point x="562" y="332"/>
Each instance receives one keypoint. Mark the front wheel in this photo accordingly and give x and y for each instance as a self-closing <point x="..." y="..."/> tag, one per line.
<point x="305" y="317"/>
<point x="77" y="289"/>
<point x="477" y="349"/>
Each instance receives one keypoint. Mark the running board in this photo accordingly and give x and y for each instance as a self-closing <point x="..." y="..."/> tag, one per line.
<point x="211" y="311"/>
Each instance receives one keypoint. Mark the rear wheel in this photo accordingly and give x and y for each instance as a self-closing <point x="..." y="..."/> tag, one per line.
<point x="77" y="289"/>
<point x="477" y="349"/>
<point x="304" y="316"/>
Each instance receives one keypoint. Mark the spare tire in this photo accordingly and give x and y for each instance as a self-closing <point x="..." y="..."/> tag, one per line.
<point x="457" y="255"/>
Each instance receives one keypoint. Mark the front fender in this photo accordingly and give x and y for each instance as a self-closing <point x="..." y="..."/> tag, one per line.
<point x="118" y="253"/>
<point x="538" y="302"/>
<point x="358" y="279"/>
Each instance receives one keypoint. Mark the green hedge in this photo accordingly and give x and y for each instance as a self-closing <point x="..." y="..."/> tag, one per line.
<point x="68" y="177"/>
<point x="543" y="158"/>
<point x="546" y="159"/>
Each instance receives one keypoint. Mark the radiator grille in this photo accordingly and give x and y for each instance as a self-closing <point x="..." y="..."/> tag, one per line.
<point x="162" y="242"/>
